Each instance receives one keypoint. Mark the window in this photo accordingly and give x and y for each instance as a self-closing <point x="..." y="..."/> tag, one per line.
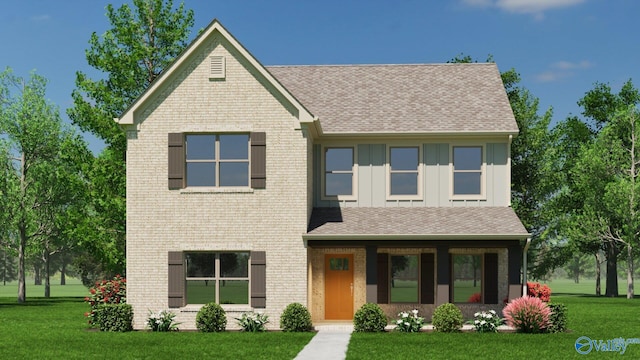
<point x="467" y="275"/>
<point x="404" y="279"/>
<point x="221" y="277"/>
<point x="467" y="170"/>
<point x="404" y="176"/>
<point x="338" y="173"/>
<point x="217" y="160"/>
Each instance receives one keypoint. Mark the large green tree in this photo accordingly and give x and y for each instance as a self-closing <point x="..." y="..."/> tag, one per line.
<point x="142" y="41"/>
<point x="38" y="151"/>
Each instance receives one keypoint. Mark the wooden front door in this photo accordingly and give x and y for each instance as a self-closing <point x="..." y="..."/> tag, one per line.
<point x="338" y="286"/>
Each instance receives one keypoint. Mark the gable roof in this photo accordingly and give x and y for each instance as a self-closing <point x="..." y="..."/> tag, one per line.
<point x="388" y="99"/>
<point x="415" y="223"/>
<point x="127" y="118"/>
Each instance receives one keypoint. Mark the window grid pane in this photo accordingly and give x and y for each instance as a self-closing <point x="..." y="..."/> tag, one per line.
<point x="338" y="171"/>
<point x="230" y="168"/>
<point x="218" y="277"/>
<point x="404" y="163"/>
<point x="467" y="170"/>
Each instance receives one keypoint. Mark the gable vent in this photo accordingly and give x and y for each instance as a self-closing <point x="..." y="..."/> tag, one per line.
<point x="217" y="69"/>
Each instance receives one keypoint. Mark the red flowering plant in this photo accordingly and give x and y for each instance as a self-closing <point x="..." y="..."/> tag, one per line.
<point x="475" y="298"/>
<point x="538" y="290"/>
<point x="112" y="291"/>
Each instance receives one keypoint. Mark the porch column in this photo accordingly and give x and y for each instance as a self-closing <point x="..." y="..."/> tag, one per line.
<point x="515" y="263"/>
<point x="443" y="275"/>
<point x="372" y="273"/>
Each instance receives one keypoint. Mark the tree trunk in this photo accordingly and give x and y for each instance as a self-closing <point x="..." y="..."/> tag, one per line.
<point x="629" y="271"/>
<point x="612" y="270"/>
<point x="47" y="280"/>
<point x="598" y="272"/>
<point x="63" y="272"/>
<point x="37" y="279"/>
<point x="22" y="288"/>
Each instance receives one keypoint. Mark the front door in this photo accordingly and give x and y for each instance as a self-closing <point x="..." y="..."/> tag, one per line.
<point x="338" y="286"/>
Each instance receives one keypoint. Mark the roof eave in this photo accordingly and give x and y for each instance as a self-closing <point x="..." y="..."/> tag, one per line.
<point x="515" y="236"/>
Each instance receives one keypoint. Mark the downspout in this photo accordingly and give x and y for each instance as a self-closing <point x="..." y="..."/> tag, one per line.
<point x="524" y="267"/>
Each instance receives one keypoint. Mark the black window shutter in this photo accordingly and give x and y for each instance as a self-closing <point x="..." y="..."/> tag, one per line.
<point x="176" y="161"/>
<point x="258" y="160"/>
<point x="176" y="280"/>
<point x="383" y="278"/>
<point x="427" y="263"/>
<point x="490" y="278"/>
<point x="258" y="279"/>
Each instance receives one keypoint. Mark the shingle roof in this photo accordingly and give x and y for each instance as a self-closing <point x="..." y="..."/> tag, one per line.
<point x="424" y="98"/>
<point x="416" y="222"/>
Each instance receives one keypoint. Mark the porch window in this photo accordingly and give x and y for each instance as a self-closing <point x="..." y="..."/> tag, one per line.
<point x="467" y="275"/>
<point x="404" y="279"/>
<point x="221" y="277"/>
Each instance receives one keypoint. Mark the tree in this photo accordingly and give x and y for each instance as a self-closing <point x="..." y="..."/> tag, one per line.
<point x="132" y="54"/>
<point x="33" y="139"/>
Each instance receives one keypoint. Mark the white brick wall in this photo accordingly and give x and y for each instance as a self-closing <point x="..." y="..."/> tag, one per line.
<point x="161" y="220"/>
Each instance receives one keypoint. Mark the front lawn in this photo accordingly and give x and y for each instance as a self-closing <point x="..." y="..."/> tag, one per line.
<point x="57" y="329"/>
<point x="599" y="318"/>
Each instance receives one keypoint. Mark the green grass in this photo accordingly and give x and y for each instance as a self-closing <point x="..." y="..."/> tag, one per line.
<point x="599" y="318"/>
<point x="73" y="288"/>
<point x="56" y="329"/>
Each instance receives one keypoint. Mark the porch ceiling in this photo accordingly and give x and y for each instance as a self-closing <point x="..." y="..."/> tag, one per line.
<point x="415" y="223"/>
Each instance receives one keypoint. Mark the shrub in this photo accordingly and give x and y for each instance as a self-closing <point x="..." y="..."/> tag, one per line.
<point x="162" y="321"/>
<point x="527" y="314"/>
<point x="295" y="318"/>
<point x="475" y="298"/>
<point x="558" y="318"/>
<point x="409" y="322"/>
<point x="447" y="318"/>
<point x="252" y="322"/>
<point x="114" y="317"/>
<point x="112" y="291"/>
<point x="369" y="318"/>
<point x="486" y="321"/>
<point x="211" y="318"/>
<point x="538" y="290"/>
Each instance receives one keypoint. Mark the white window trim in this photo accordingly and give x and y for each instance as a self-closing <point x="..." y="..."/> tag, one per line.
<point x="419" y="195"/>
<point x="354" y="178"/>
<point x="483" y="175"/>
<point x="217" y="161"/>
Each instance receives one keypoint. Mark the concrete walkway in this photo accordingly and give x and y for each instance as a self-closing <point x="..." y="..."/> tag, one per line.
<point x="330" y="343"/>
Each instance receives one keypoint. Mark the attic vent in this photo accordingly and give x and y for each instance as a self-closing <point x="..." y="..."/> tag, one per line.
<point x="217" y="70"/>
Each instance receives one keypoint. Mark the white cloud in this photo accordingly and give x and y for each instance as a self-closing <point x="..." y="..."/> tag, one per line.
<point x="561" y="70"/>
<point x="40" y="18"/>
<point x="533" y="7"/>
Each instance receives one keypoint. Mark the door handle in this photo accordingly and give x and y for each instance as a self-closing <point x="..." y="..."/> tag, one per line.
<point x="351" y="287"/>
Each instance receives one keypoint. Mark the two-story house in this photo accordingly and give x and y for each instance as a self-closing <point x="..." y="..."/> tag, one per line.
<point x="332" y="186"/>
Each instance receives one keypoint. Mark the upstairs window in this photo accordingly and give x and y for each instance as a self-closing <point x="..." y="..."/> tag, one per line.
<point x="338" y="172"/>
<point x="217" y="160"/>
<point x="404" y="174"/>
<point x="467" y="170"/>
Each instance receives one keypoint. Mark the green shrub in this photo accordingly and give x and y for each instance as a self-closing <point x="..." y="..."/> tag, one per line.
<point x="558" y="318"/>
<point x="369" y="318"/>
<point x="211" y="318"/>
<point x="162" y="321"/>
<point x="253" y="322"/>
<point x="114" y="317"/>
<point x="112" y="291"/>
<point x="447" y="318"/>
<point x="295" y="318"/>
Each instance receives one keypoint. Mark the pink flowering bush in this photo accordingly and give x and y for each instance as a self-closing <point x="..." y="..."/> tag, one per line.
<point x="112" y="291"/>
<point x="527" y="314"/>
<point x="538" y="290"/>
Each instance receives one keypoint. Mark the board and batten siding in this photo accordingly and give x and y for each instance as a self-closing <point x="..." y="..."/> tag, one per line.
<point x="436" y="173"/>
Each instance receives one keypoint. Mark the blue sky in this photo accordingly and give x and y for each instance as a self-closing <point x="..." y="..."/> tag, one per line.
<point x="560" y="47"/>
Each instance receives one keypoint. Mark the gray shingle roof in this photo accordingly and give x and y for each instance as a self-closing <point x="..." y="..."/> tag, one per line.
<point x="427" y="222"/>
<point x="425" y="98"/>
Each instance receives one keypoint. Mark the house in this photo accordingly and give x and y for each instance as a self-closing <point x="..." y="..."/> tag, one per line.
<point x="331" y="186"/>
